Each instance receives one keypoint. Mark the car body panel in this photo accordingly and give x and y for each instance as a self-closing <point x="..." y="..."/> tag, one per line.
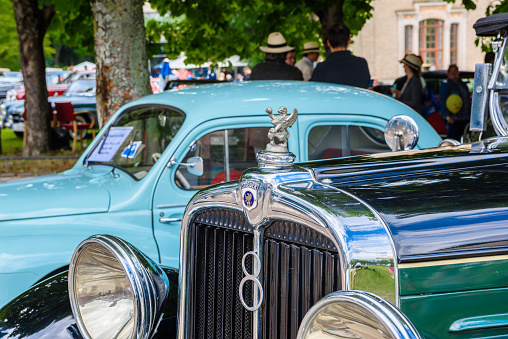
<point x="467" y="314"/>
<point x="133" y="208"/>
<point x="454" y="275"/>
<point x="48" y="196"/>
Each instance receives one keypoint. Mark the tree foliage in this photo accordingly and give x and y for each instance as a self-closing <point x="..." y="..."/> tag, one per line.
<point x="9" y="46"/>
<point x="214" y="30"/>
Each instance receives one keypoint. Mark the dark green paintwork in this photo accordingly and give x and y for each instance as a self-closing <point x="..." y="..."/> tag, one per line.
<point x="434" y="314"/>
<point x="454" y="278"/>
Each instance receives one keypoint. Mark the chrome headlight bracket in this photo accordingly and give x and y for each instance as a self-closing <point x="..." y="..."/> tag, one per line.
<point x="148" y="286"/>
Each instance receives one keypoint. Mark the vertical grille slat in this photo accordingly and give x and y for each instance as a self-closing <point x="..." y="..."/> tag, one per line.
<point x="300" y="266"/>
<point x="306" y="280"/>
<point x="317" y="280"/>
<point x="296" y="294"/>
<point x="284" y="290"/>
<point x="274" y="294"/>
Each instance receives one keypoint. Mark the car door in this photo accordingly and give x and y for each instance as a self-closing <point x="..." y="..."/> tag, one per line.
<point x="228" y="147"/>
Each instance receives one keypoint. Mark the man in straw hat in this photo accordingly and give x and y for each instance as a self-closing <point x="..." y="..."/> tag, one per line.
<point x="341" y="67"/>
<point x="274" y="66"/>
<point x="310" y="55"/>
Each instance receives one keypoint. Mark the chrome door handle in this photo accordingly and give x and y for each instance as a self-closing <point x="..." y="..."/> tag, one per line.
<point x="168" y="220"/>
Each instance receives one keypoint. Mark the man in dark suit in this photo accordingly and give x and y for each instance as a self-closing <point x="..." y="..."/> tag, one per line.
<point x="274" y="66"/>
<point x="341" y="67"/>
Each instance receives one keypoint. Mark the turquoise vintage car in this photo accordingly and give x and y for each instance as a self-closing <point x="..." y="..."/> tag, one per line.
<point x="136" y="178"/>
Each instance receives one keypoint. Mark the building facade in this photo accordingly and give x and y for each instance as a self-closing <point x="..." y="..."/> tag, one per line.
<point x="441" y="33"/>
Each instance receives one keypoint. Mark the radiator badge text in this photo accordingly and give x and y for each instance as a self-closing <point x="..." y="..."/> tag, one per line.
<point x="249" y="194"/>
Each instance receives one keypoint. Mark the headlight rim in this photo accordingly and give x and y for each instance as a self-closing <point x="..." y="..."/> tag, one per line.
<point x="391" y="317"/>
<point x="148" y="296"/>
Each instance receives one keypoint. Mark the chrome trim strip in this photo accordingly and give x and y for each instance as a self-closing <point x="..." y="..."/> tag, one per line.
<point x="170" y="205"/>
<point x="452" y="261"/>
<point x="496" y="113"/>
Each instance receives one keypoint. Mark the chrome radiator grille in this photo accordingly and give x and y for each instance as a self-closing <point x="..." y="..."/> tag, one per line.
<point x="300" y="266"/>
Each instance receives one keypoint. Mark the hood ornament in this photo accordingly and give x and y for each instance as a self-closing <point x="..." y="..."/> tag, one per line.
<point x="277" y="153"/>
<point x="281" y="122"/>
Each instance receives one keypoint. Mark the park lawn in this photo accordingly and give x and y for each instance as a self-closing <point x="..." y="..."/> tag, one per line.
<point x="12" y="146"/>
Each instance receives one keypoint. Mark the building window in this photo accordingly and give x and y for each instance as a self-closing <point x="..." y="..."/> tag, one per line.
<point x="408" y="39"/>
<point x="453" y="43"/>
<point x="431" y="42"/>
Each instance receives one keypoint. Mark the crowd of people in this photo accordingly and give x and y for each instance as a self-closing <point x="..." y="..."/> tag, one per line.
<point x="341" y="67"/>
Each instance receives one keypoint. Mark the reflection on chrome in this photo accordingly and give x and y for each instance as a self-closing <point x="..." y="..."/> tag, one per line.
<point x="355" y="314"/>
<point x="104" y="294"/>
<point x="346" y="321"/>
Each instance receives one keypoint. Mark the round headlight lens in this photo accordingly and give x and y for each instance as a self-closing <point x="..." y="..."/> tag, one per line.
<point x="103" y="294"/>
<point x="354" y="314"/>
<point x="115" y="290"/>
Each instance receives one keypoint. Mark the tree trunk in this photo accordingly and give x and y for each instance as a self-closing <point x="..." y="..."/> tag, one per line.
<point x="120" y="54"/>
<point x="32" y="23"/>
<point x="328" y="17"/>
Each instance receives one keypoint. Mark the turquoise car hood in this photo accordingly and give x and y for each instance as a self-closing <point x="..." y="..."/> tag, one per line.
<point x="52" y="195"/>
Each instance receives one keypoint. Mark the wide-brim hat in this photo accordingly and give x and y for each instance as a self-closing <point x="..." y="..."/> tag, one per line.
<point x="276" y="44"/>
<point x="311" y="47"/>
<point x="412" y="61"/>
<point x="165" y="60"/>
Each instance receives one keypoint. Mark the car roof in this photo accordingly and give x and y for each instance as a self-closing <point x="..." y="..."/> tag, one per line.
<point x="253" y="97"/>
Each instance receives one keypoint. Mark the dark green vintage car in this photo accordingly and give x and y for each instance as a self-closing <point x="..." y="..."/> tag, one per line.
<point x="412" y="244"/>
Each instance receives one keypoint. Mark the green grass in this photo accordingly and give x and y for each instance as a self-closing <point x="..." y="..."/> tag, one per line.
<point x="12" y="146"/>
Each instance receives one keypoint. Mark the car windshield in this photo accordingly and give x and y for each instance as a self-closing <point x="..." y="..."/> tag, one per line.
<point x="81" y="87"/>
<point x="135" y="141"/>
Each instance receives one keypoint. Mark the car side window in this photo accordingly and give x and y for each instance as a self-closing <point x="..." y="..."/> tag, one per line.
<point x="327" y="142"/>
<point x="226" y="155"/>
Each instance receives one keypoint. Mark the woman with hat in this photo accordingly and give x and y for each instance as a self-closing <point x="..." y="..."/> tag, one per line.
<point x="411" y="93"/>
<point x="454" y="101"/>
<point x="274" y="66"/>
<point x="310" y="55"/>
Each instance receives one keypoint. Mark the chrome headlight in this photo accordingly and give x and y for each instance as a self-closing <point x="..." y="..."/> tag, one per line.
<point x="115" y="290"/>
<point x="355" y="314"/>
<point x="401" y="133"/>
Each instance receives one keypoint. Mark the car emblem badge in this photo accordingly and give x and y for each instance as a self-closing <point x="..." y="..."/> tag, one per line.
<point x="250" y="194"/>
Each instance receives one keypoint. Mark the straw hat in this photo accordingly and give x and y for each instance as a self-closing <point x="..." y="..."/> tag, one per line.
<point x="276" y="44"/>
<point x="311" y="47"/>
<point x="165" y="60"/>
<point x="412" y="61"/>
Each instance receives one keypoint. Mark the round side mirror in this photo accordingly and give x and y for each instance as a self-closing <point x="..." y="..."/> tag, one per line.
<point x="195" y="166"/>
<point x="401" y="133"/>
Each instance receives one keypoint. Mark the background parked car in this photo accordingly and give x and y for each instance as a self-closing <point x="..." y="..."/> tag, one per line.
<point x="80" y="93"/>
<point x="132" y="180"/>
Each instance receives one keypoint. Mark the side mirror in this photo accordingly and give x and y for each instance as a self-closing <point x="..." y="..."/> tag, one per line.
<point x="194" y="165"/>
<point x="401" y="133"/>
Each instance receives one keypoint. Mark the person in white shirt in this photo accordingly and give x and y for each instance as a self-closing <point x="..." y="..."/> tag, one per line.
<point x="310" y="55"/>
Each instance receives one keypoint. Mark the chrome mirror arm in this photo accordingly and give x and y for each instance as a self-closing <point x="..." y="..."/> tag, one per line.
<point x="173" y="162"/>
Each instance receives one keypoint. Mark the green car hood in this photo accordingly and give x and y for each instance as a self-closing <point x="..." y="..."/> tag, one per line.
<point x="52" y="195"/>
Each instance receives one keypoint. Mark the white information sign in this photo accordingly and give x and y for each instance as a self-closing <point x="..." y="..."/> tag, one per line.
<point x="108" y="147"/>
